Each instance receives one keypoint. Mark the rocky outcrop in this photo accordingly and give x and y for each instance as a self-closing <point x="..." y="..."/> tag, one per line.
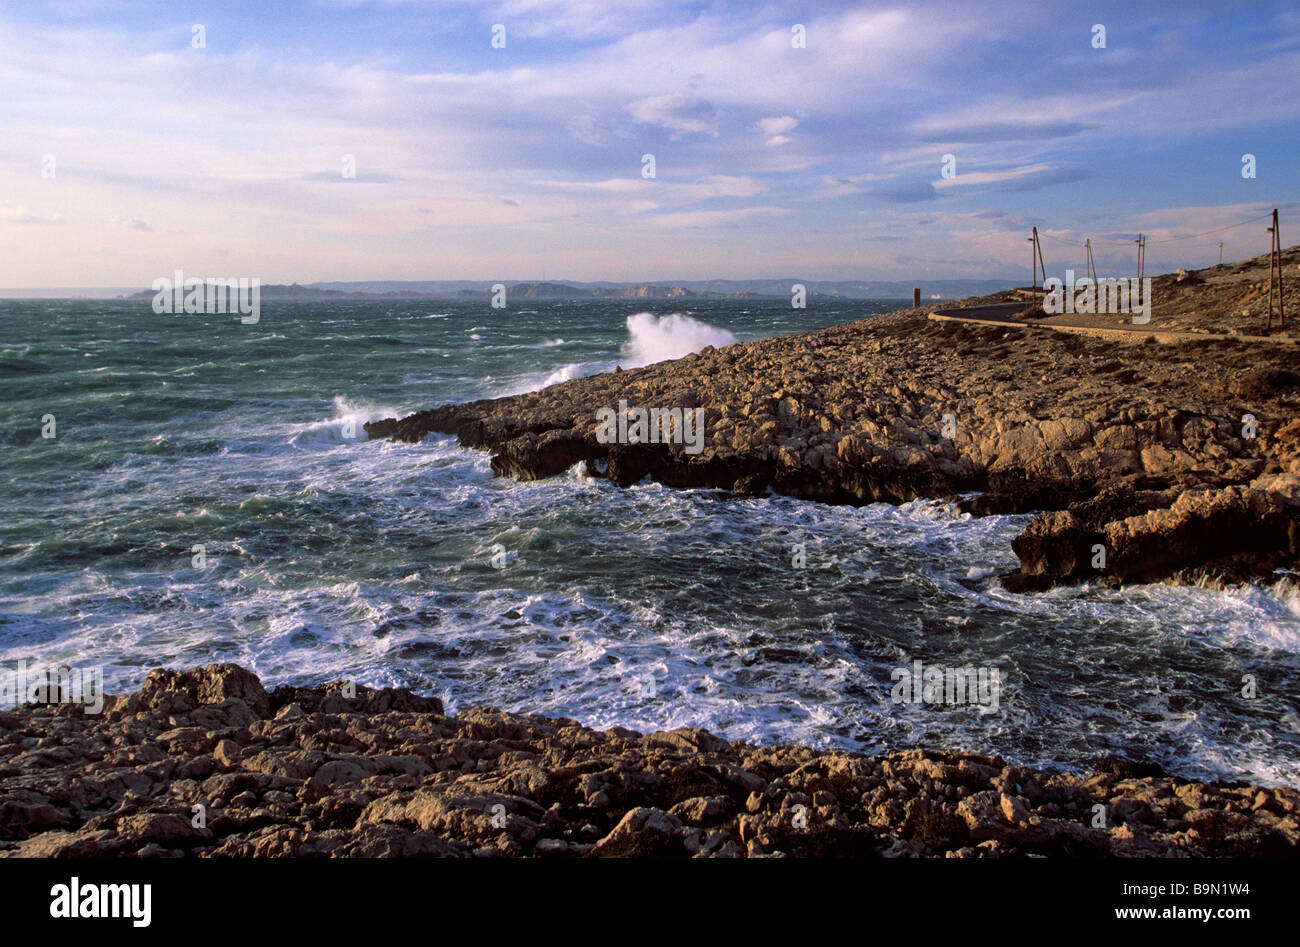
<point x="207" y="763"/>
<point x="1232" y="534"/>
<point x="898" y="407"/>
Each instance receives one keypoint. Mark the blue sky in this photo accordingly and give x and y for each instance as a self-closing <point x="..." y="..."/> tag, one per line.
<point x="475" y="162"/>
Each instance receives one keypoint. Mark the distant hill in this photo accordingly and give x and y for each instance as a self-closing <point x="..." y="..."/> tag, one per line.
<point x="566" y="291"/>
<point x="698" y="289"/>
<point x="546" y="291"/>
<point x="300" y="292"/>
<point x="716" y="289"/>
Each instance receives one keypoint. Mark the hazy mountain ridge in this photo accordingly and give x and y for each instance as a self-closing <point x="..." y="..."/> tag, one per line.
<point x="698" y="289"/>
<point x="664" y="289"/>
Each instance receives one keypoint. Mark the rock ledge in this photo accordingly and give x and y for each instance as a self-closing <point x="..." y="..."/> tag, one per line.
<point x="207" y="763"/>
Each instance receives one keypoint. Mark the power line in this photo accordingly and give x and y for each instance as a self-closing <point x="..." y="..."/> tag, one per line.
<point x="1113" y="246"/>
<point x="1253" y="220"/>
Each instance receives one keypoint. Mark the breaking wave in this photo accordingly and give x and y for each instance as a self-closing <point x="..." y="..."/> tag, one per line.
<point x="657" y="339"/>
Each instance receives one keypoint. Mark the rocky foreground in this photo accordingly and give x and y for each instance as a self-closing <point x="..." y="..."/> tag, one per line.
<point x="206" y="762"/>
<point x="1178" y="460"/>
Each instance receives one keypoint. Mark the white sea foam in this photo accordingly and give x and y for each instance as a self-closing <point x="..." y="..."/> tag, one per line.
<point x="655" y="339"/>
<point x="650" y="339"/>
<point x="883" y="585"/>
<point x="345" y="426"/>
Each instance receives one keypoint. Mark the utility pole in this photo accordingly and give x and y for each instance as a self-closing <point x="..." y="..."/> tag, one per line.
<point x="1220" y="254"/>
<point x="1037" y="260"/>
<point x="1275" y="266"/>
<point x="1092" y="263"/>
<point x="1141" y="241"/>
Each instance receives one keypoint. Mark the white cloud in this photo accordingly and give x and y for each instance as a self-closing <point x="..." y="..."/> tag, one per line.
<point x="132" y="223"/>
<point x="974" y="178"/>
<point x="582" y="19"/>
<point x="705" y="219"/>
<point x="774" y="129"/>
<point x="21" y="215"/>
<point x="677" y="112"/>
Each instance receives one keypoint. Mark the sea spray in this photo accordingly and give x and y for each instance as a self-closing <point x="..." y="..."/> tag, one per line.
<point x="650" y="339"/>
<point x="675" y="335"/>
<point x="345" y="426"/>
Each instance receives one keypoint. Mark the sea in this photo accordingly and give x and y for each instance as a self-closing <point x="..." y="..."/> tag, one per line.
<point x="177" y="490"/>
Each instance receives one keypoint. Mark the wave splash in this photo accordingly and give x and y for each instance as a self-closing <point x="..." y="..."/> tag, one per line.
<point x="650" y="339"/>
<point x="345" y="427"/>
<point x="675" y="335"/>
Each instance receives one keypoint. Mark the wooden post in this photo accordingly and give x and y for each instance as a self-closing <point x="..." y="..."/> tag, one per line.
<point x="1037" y="260"/>
<point x="916" y="297"/>
<point x="1272" y="242"/>
<point x="1277" y="236"/>
<point x="1275" y="265"/>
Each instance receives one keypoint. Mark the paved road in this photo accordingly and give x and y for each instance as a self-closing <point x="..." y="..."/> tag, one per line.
<point x="1004" y="314"/>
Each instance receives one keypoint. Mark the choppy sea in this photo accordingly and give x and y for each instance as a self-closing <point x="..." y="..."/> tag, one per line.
<point x="325" y="556"/>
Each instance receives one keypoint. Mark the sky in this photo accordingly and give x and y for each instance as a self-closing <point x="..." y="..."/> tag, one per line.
<point x="830" y="141"/>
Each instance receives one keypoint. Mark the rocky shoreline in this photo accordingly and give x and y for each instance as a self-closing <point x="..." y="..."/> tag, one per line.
<point x="1179" y="461"/>
<point x="208" y="763"/>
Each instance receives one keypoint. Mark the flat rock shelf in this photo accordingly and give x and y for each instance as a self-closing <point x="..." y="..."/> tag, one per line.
<point x="206" y="762"/>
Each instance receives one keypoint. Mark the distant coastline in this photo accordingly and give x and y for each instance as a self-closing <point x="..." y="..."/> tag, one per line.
<point x="465" y="290"/>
